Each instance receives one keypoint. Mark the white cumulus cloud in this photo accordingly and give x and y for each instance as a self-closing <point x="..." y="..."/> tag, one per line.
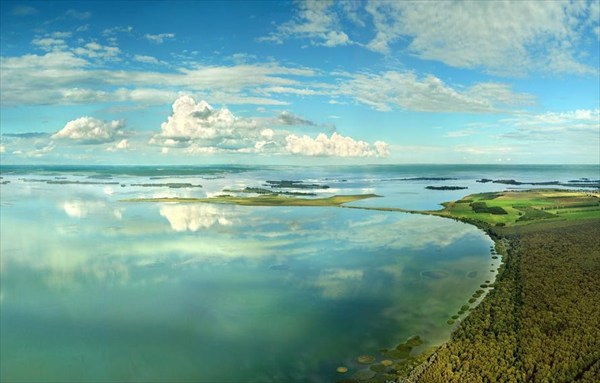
<point x="89" y="130"/>
<point x="336" y="145"/>
<point x="200" y="129"/>
<point x="121" y="145"/>
<point x="198" y="120"/>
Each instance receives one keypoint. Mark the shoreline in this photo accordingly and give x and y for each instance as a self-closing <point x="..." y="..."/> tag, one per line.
<point x="509" y="284"/>
<point x="511" y="219"/>
<point x="428" y="358"/>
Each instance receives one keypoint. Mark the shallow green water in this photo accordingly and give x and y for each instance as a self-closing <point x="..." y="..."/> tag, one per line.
<point x="93" y="289"/>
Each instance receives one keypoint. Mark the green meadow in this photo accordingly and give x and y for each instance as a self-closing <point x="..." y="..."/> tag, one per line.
<point x="513" y="208"/>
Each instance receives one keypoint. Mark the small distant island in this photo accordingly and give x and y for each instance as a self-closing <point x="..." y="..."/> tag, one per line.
<point x="425" y="179"/>
<point x="255" y="190"/>
<point x="446" y="187"/>
<point x="583" y="183"/>
<point x="171" y="185"/>
<point x="286" y="184"/>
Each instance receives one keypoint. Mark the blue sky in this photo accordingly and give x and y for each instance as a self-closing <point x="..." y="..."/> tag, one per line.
<point x="299" y="82"/>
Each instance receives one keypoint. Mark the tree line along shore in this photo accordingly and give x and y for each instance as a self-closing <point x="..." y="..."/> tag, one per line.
<point x="540" y="321"/>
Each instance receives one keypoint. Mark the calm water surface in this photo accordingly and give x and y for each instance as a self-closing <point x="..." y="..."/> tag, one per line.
<point x="95" y="289"/>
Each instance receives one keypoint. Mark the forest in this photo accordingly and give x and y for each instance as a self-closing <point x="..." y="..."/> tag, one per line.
<point x="540" y="322"/>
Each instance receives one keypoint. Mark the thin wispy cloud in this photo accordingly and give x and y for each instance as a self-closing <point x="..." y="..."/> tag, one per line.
<point x="24" y="10"/>
<point x="159" y="38"/>
<point x="503" y="38"/>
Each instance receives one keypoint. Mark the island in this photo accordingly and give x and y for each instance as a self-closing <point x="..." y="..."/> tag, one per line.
<point x="263" y="200"/>
<point x="287" y="184"/>
<point x="446" y="187"/>
<point x="257" y="190"/>
<point x="172" y="185"/>
<point x="581" y="183"/>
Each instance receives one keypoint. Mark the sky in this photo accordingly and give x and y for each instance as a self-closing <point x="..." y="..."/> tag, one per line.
<point x="299" y="83"/>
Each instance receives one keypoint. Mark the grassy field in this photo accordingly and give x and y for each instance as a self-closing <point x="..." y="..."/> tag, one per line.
<point x="264" y="200"/>
<point x="511" y="208"/>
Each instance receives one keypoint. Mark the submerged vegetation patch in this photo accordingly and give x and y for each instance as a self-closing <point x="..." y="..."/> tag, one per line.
<point x="365" y="359"/>
<point x="403" y="350"/>
<point x="434" y="274"/>
<point x="414" y="341"/>
<point x="397" y="359"/>
<point x="365" y="374"/>
<point x="341" y="370"/>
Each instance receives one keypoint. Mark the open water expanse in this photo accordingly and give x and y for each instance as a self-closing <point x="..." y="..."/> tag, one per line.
<point x="94" y="289"/>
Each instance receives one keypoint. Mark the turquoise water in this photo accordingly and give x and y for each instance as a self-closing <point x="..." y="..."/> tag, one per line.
<point x="93" y="289"/>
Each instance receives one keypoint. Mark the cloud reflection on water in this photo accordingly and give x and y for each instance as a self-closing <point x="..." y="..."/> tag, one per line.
<point x="336" y="283"/>
<point x="194" y="217"/>
<point x="81" y="208"/>
<point x="97" y="249"/>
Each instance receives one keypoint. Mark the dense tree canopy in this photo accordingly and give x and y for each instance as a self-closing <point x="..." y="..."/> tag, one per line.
<point x="540" y="323"/>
